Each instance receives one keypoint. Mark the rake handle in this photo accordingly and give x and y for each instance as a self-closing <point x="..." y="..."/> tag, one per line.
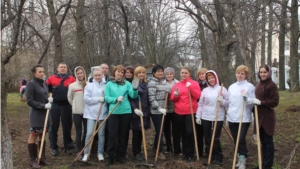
<point x="193" y="123"/>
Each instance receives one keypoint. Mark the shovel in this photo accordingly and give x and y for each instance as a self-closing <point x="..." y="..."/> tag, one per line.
<point x="258" y="137"/>
<point x="193" y="122"/>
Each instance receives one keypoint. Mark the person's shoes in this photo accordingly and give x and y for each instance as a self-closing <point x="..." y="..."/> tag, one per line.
<point x="190" y="159"/>
<point x="242" y="161"/>
<point x="218" y="163"/>
<point x="161" y="156"/>
<point x="85" y="157"/>
<point x="32" y="148"/>
<point x="43" y="160"/>
<point x="120" y="159"/>
<point x="100" y="157"/>
<point x="109" y="162"/>
<point x="69" y="152"/>
<point x="184" y="157"/>
<point x="54" y="152"/>
<point x="139" y="157"/>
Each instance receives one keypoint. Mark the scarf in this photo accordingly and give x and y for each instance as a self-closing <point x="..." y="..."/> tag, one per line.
<point x="119" y="82"/>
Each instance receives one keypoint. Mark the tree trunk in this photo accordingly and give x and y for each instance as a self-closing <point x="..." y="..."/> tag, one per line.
<point x="106" y="34"/>
<point x="294" y="61"/>
<point x="263" y="35"/>
<point x="81" y="39"/>
<point x="202" y="39"/>
<point x="270" y="33"/>
<point x="282" y="31"/>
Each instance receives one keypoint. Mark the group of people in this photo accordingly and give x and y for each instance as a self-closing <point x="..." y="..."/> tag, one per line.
<point x="127" y="96"/>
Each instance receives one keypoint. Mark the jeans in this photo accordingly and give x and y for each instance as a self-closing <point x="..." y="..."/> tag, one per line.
<point x="101" y="135"/>
<point x="234" y="127"/>
<point x="79" y="121"/>
<point x="157" y="119"/>
<point x="267" y="148"/>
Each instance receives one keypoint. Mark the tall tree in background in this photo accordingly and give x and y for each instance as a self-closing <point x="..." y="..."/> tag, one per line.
<point x="282" y="32"/>
<point x="270" y="33"/>
<point x="263" y="34"/>
<point x="81" y="38"/>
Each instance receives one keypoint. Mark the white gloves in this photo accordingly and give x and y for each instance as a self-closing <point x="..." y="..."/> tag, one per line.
<point x="48" y="106"/>
<point x="176" y="93"/>
<point x="188" y="84"/>
<point x="168" y="89"/>
<point x="120" y="98"/>
<point x="163" y="111"/>
<point x="135" y="83"/>
<point x="220" y="99"/>
<point x="101" y="99"/>
<point x="198" y="121"/>
<point x="245" y="96"/>
<point x="138" y="112"/>
<point x="256" y="101"/>
<point x="50" y="99"/>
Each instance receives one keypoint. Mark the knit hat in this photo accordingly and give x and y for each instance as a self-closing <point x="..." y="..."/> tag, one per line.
<point x="169" y="69"/>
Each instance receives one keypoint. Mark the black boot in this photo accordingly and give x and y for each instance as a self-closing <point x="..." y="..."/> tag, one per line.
<point x="43" y="160"/>
<point x="32" y="148"/>
<point x="110" y="161"/>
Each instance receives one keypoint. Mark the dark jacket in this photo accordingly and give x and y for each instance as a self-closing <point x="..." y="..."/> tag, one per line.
<point x="37" y="97"/>
<point x="202" y="84"/>
<point x="267" y="92"/>
<point x="135" y="123"/>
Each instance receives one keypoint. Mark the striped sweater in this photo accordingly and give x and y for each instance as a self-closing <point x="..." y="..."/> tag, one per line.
<point x="157" y="94"/>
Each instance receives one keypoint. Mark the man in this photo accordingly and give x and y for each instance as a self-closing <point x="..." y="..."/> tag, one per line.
<point x="58" y="85"/>
<point x="105" y="70"/>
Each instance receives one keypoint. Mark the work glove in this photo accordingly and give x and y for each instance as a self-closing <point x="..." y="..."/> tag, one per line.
<point x="245" y="96"/>
<point x="256" y="101"/>
<point x="138" y="112"/>
<point x="220" y="99"/>
<point x="120" y="98"/>
<point x="168" y="89"/>
<point x="188" y="84"/>
<point x="50" y="99"/>
<point x="198" y="121"/>
<point x="176" y="93"/>
<point x="48" y="106"/>
<point x="163" y="111"/>
<point x="101" y="99"/>
<point x="135" y="83"/>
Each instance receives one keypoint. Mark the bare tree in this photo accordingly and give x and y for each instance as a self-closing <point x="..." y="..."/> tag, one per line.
<point x="282" y="32"/>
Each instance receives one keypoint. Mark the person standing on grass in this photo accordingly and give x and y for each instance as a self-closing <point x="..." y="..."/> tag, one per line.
<point x="169" y="121"/>
<point x="135" y="123"/>
<point x="239" y="92"/>
<point x="22" y="87"/>
<point x="37" y="99"/>
<point x="75" y="98"/>
<point x="117" y="91"/>
<point x="206" y="114"/>
<point x="58" y="85"/>
<point x="157" y="95"/>
<point x="182" y="117"/>
<point x="93" y="99"/>
<point x="267" y="98"/>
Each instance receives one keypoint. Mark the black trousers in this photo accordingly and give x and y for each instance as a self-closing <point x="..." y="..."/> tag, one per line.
<point x="186" y="129"/>
<point x="200" y="138"/>
<point x="63" y="112"/>
<point x="118" y="126"/>
<point x="156" y="119"/>
<point x="217" y="153"/>
<point x="79" y="121"/>
<point x="234" y="127"/>
<point x="168" y="128"/>
<point x="137" y="138"/>
<point x="267" y="148"/>
<point x="178" y="134"/>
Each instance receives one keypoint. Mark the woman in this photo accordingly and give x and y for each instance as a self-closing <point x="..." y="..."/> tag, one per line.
<point x="157" y="95"/>
<point x="240" y="92"/>
<point x="37" y="98"/>
<point x="267" y="98"/>
<point x="22" y="89"/>
<point x="182" y="117"/>
<point x="206" y="114"/>
<point x="94" y="100"/>
<point x="135" y="124"/>
<point x="117" y="91"/>
<point x="129" y="73"/>
<point x="170" y="82"/>
<point x="75" y="98"/>
<point x="201" y="78"/>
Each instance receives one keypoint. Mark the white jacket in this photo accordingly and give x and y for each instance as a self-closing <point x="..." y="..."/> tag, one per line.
<point x="92" y="92"/>
<point x="236" y="101"/>
<point x="75" y="94"/>
<point x="208" y="102"/>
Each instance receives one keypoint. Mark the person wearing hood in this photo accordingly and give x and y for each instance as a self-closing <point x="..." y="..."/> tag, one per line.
<point x="206" y="114"/>
<point x="182" y="117"/>
<point x="157" y="94"/>
<point x="94" y="99"/>
<point x="239" y="92"/>
<point x="169" y="122"/>
<point x="75" y="98"/>
<point x="267" y="98"/>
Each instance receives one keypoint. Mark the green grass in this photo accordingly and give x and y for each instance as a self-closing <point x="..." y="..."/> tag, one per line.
<point x="14" y="105"/>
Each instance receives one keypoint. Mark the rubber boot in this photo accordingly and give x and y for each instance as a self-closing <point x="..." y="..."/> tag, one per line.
<point x="43" y="160"/>
<point x="32" y="148"/>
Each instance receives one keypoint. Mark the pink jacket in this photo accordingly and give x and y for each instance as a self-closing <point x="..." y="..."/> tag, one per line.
<point x="182" y="102"/>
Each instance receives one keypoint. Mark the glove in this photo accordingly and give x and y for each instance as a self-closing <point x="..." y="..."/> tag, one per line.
<point x="176" y="93"/>
<point x="120" y="98"/>
<point x="50" y="99"/>
<point x="163" y="111"/>
<point x="101" y="99"/>
<point x="135" y="83"/>
<point x="168" y="89"/>
<point x="220" y="99"/>
<point x="138" y="112"/>
<point x="256" y="101"/>
<point x="48" y="106"/>
<point x="198" y="121"/>
<point x="188" y="84"/>
<point x="245" y="96"/>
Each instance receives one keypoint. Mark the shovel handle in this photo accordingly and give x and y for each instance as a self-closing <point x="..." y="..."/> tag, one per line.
<point x="258" y="137"/>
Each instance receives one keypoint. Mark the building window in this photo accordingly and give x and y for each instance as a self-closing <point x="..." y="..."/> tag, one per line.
<point x="287" y="45"/>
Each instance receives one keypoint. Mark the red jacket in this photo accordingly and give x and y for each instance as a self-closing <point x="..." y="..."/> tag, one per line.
<point x="182" y="102"/>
